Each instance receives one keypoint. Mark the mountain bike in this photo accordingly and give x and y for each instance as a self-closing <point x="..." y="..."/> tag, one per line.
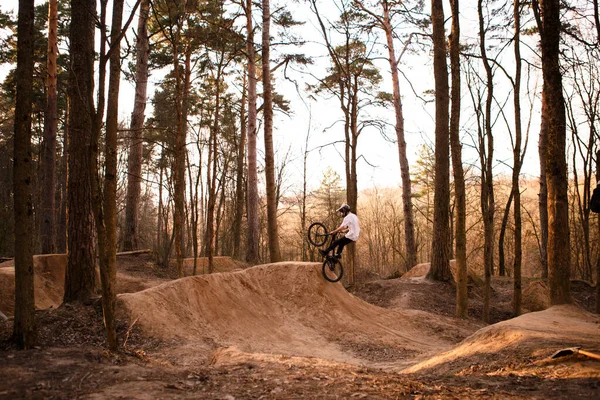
<point x="318" y="235"/>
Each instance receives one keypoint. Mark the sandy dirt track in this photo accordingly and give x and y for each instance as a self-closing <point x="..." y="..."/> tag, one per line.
<point x="281" y="331"/>
<point x="135" y="274"/>
<point x="287" y="308"/>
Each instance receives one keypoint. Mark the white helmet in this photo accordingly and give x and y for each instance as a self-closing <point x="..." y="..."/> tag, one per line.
<point x="344" y="208"/>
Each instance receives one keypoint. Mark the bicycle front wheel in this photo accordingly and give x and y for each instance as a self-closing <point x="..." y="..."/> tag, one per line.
<point x="317" y="234"/>
<point x="332" y="269"/>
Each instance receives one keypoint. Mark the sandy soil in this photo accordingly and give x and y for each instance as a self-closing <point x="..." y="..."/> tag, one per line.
<point x="136" y="272"/>
<point x="282" y="331"/>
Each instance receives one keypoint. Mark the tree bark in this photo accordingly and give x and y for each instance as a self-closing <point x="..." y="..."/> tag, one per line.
<point x="457" y="168"/>
<point x="252" y="208"/>
<point x="61" y="239"/>
<point x="179" y="157"/>
<point x="48" y="217"/>
<point x="598" y="260"/>
<point x="134" y="161"/>
<point x="24" y="323"/>
<point x="303" y="203"/>
<point x="239" y="182"/>
<point x="409" y="225"/>
<point x="80" y="280"/>
<point x="502" y="235"/>
<point x="486" y="154"/>
<point x="108" y="255"/>
<point x="440" y="264"/>
<point x="517" y="160"/>
<point x="553" y="108"/>
<point x="543" y="194"/>
<point x="195" y="206"/>
<point x="212" y="172"/>
<point x="159" y="225"/>
<point x="274" y="250"/>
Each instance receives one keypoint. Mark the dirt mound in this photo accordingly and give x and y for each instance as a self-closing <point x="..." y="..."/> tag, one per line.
<point x="536" y="296"/>
<point x="49" y="277"/>
<point x="135" y="273"/>
<point x="438" y="298"/>
<point x="418" y="271"/>
<point x="285" y="308"/>
<point x="527" y="340"/>
<point x="421" y="270"/>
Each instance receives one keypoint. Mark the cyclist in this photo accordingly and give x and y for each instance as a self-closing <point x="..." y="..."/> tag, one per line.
<point x="349" y="226"/>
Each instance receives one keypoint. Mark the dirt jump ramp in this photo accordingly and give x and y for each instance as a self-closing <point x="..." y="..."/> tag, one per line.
<point x="49" y="282"/>
<point x="48" y="279"/>
<point x="534" y="335"/>
<point x="284" y="308"/>
<point x="420" y="271"/>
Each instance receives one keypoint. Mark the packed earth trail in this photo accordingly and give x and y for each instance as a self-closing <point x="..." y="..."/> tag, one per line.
<point x="282" y="331"/>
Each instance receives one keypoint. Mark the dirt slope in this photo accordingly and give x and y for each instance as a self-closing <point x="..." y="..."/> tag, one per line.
<point x="288" y="308"/>
<point x="419" y="271"/>
<point x="135" y="273"/>
<point x="280" y="331"/>
<point x="49" y="278"/>
<point x="529" y="340"/>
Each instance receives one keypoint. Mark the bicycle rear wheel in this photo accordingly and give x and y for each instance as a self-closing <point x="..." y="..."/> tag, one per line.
<point x="332" y="269"/>
<point x="317" y="234"/>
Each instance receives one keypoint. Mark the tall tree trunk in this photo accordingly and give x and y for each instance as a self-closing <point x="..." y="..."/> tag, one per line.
<point x="179" y="158"/>
<point x="553" y="108"/>
<point x="185" y="106"/>
<point x="108" y="244"/>
<point x="305" y="246"/>
<point x="486" y="153"/>
<point x="80" y="280"/>
<point x="134" y="161"/>
<point x="24" y="323"/>
<point x="252" y="208"/>
<point x="502" y="235"/>
<point x="195" y="204"/>
<point x="48" y="224"/>
<point x="61" y="239"/>
<point x="598" y="260"/>
<point x="409" y="225"/>
<point x="159" y="226"/>
<point x="457" y="168"/>
<point x="219" y="210"/>
<point x="193" y="214"/>
<point x="440" y="264"/>
<point x="95" y="163"/>
<point x="269" y="151"/>
<point x="239" y="181"/>
<point x="517" y="160"/>
<point x="543" y="194"/>
<point x="212" y="173"/>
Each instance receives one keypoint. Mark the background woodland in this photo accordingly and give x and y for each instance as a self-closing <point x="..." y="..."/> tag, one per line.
<point x="186" y="178"/>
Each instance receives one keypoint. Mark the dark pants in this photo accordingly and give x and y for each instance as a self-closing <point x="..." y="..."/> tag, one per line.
<point x="340" y="244"/>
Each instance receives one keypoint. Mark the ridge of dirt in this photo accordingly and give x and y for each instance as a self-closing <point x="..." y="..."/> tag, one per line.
<point x="436" y="297"/>
<point x="135" y="272"/>
<point x="286" y="308"/>
<point x="49" y="276"/>
<point x="532" y="336"/>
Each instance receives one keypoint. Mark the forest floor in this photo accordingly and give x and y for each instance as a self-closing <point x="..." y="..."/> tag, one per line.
<point x="281" y="331"/>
